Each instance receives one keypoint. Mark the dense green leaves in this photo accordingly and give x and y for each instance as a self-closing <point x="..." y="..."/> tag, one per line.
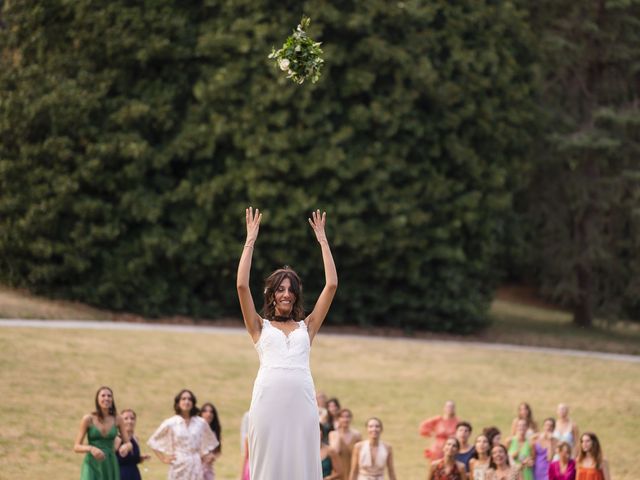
<point x="585" y="190"/>
<point x="134" y="137"/>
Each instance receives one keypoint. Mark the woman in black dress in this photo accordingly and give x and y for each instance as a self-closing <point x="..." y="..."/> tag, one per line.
<point x="129" y="464"/>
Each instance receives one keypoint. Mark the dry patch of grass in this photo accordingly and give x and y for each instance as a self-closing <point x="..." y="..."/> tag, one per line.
<point x="49" y="378"/>
<point x="22" y="304"/>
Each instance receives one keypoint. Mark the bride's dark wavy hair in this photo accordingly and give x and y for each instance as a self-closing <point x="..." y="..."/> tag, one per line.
<point x="271" y="284"/>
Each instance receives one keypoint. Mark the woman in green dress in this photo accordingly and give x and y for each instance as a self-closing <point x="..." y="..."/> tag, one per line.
<point x="101" y="428"/>
<point x="522" y="454"/>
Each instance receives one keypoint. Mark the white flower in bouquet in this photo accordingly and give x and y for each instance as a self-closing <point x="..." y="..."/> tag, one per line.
<point x="300" y="55"/>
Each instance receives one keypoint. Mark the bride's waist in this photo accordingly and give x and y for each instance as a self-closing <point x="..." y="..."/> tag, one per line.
<point x="284" y="366"/>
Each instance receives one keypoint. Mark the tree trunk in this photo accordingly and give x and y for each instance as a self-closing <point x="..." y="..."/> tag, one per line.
<point x="582" y="309"/>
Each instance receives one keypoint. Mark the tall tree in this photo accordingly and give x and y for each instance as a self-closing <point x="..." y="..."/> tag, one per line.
<point x="586" y="185"/>
<point x="134" y="135"/>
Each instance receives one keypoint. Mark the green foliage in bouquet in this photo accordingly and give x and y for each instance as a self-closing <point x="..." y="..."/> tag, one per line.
<point x="300" y="56"/>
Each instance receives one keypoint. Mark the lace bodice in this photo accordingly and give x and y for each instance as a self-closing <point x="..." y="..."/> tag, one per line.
<point x="278" y="350"/>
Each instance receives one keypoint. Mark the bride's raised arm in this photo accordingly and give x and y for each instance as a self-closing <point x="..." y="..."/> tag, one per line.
<point x="252" y="320"/>
<point x="319" y="313"/>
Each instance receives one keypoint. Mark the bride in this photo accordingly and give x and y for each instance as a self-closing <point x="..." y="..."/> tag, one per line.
<point x="283" y="418"/>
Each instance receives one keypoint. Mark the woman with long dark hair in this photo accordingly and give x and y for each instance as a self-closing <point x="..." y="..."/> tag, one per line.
<point x="210" y="415"/>
<point x="283" y="418"/>
<point x="479" y="464"/>
<point x="525" y="413"/>
<point x="590" y="463"/>
<point x="448" y="468"/>
<point x="101" y="428"/>
<point x="499" y="467"/>
<point x="184" y="440"/>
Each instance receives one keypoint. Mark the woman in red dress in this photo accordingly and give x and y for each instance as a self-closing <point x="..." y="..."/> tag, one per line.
<point x="440" y="428"/>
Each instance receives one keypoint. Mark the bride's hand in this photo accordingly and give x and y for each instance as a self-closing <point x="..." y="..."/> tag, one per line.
<point x="317" y="222"/>
<point x="253" y="225"/>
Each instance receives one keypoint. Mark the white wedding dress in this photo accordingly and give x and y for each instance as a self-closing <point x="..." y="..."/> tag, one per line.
<point x="284" y="430"/>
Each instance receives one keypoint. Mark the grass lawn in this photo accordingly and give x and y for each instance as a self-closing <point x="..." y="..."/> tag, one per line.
<point x="49" y="378"/>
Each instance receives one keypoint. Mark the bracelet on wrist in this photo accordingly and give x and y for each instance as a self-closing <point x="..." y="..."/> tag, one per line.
<point x="246" y="245"/>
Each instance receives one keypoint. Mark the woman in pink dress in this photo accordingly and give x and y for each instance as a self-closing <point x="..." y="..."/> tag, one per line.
<point x="440" y="428"/>
<point x="565" y="467"/>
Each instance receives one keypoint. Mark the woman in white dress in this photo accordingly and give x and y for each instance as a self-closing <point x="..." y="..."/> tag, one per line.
<point x="283" y="418"/>
<point x="566" y="430"/>
<point x="371" y="457"/>
<point x="185" y="440"/>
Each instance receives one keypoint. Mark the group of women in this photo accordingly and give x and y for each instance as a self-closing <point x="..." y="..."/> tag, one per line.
<point x="189" y="441"/>
<point x="285" y="437"/>
<point x="554" y="452"/>
<point x="344" y="454"/>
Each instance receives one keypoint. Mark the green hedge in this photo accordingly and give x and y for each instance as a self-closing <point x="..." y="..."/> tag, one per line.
<point x="132" y="138"/>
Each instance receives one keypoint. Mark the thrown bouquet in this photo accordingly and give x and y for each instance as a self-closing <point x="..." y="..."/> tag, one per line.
<point x="300" y="55"/>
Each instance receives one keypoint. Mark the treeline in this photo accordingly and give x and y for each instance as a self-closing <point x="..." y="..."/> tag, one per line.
<point x="450" y="143"/>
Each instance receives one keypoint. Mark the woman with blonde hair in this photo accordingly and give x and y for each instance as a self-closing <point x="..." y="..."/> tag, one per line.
<point x="566" y="430"/>
<point x="440" y="427"/>
<point x="129" y="463"/>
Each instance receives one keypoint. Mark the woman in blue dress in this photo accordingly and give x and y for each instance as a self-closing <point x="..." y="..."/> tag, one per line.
<point x="129" y="463"/>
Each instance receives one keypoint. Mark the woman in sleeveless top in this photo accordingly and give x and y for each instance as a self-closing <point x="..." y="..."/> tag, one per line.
<point x="129" y="463"/>
<point x="448" y="468"/>
<point x="283" y="417"/>
<point x="590" y="464"/>
<point x="210" y="415"/>
<point x="465" y="451"/>
<point x="566" y="430"/>
<point x="500" y="468"/>
<point x="565" y="467"/>
<point x="331" y="465"/>
<point x="344" y="438"/>
<point x="371" y="457"/>
<point x="101" y="428"/>
<point x="521" y="452"/>
<point x="545" y="446"/>
<point x="479" y="464"/>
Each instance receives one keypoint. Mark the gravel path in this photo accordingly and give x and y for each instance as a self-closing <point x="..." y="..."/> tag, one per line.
<point x="158" y="327"/>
